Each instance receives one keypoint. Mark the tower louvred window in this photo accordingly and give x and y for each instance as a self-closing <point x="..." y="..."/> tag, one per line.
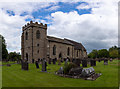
<point x="26" y="36"/>
<point x="38" y="34"/>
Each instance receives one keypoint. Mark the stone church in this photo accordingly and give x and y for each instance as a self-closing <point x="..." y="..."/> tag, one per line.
<point x="36" y="45"/>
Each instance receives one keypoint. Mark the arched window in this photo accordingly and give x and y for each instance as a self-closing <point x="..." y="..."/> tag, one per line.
<point x="68" y="51"/>
<point x="27" y="56"/>
<point x="26" y="35"/>
<point x="38" y="34"/>
<point x="54" y="50"/>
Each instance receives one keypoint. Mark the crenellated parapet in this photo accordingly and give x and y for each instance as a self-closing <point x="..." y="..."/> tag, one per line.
<point x="36" y="24"/>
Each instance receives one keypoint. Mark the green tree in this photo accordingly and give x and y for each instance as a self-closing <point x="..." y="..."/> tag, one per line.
<point x="103" y="53"/>
<point x="93" y="54"/>
<point x="113" y="52"/>
<point x="13" y="56"/>
<point x="4" y="49"/>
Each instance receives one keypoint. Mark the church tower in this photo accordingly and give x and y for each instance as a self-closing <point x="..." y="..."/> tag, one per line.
<point x="34" y="41"/>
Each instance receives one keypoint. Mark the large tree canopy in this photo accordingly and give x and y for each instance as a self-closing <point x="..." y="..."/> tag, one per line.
<point x="112" y="53"/>
<point x="13" y="56"/>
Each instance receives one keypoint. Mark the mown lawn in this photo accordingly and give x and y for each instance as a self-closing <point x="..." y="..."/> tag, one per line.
<point x="15" y="77"/>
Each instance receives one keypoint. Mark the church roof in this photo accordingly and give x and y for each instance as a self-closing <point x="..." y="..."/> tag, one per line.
<point x="58" y="40"/>
<point x="78" y="46"/>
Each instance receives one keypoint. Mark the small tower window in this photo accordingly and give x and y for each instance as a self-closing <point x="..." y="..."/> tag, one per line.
<point x="38" y="45"/>
<point x="38" y="34"/>
<point x="54" y="50"/>
<point x="38" y="51"/>
<point x="26" y="35"/>
<point x="68" y="51"/>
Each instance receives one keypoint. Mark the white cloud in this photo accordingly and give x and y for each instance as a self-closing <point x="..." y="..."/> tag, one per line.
<point x="83" y="6"/>
<point x="11" y="26"/>
<point x="53" y="8"/>
<point x="96" y="30"/>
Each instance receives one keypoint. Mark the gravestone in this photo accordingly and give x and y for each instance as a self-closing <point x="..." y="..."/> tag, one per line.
<point x="32" y="60"/>
<point x="105" y="62"/>
<point x="24" y="65"/>
<point x="99" y="60"/>
<point x="66" y="62"/>
<point x="49" y="61"/>
<point x="111" y="59"/>
<point x="87" y="72"/>
<point x="59" y="61"/>
<point x="93" y="62"/>
<point x="54" y="62"/>
<point x="37" y="65"/>
<point x="44" y="65"/>
<point x="60" y="71"/>
<point x="19" y="61"/>
<point x="84" y="63"/>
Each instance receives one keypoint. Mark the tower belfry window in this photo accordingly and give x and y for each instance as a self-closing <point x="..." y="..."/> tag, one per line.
<point x="26" y="35"/>
<point x="38" y="34"/>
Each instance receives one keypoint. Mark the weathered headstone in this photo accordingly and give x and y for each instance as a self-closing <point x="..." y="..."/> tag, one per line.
<point x="105" y="62"/>
<point x="32" y="60"/>
<point x="93" y="62"/>
<point x="44" y="65"/>
<point x="99" y="60"/>
<point x="49" y="61"/>
<point x="110" y="59"/>
<point x="24" y="65"/>
<point x="37" y="65"/>
<point x="54" y="62"/>
<point x="60" y="71"/>
<point x="66" y="62"/>
<point x="84" y="63"/>
<point x="87" y="72"/>
<point x="59" y="61"/>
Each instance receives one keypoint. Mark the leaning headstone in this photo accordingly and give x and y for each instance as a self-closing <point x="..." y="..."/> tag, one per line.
<point x="84" y="63"/>
<point x="44" y="65"/>
<point x="37" y="65"/>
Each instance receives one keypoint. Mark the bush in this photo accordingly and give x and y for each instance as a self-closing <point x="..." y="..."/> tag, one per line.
<point x="67" y="67"/>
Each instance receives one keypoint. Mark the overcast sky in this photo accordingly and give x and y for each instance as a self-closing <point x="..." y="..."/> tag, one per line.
<point x="94" y="23"/>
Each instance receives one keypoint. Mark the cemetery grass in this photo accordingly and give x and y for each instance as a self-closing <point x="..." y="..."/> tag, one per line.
<point x="15" y="77"/>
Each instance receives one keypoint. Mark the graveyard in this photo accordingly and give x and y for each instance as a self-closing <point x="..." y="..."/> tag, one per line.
<point x="14" y="76"/>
